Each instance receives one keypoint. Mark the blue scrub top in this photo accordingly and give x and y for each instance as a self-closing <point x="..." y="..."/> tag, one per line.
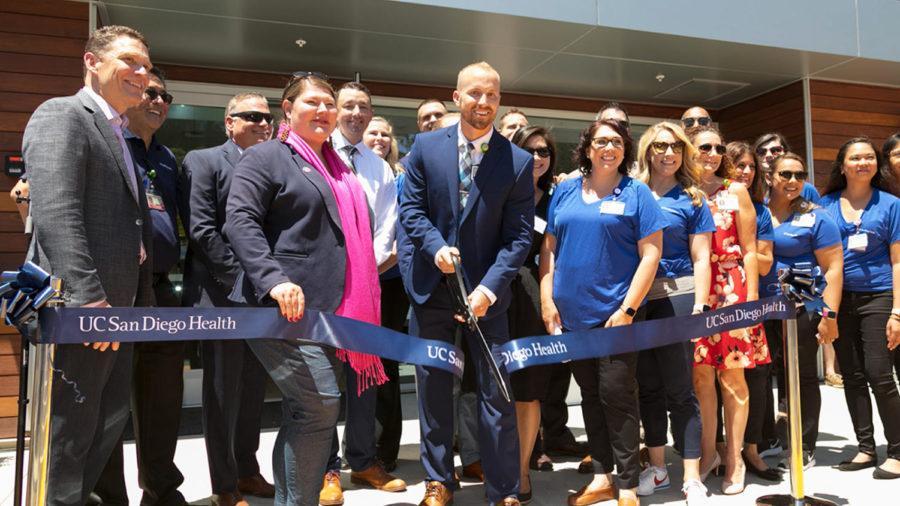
<point x="795" y="244"/>
<point x="596" y="252"/>
<point x="810" y="193"/>
<point x="684" y="219"/>
<point x="764" y="230"/>
<point x="869" y="270"/>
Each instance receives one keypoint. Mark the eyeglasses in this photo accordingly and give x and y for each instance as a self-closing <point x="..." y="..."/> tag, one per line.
<point x="253" y="116"/>
<point x="541" y="152"/>
<point x="702" y="121"/>
<point x="153" y="94"/>
<point x="787" y="175"/>
<point x="660" y="147"/>
<point x="775" y="150"/>
<point x="602" y="142"/>
<point x="709" y="147"/>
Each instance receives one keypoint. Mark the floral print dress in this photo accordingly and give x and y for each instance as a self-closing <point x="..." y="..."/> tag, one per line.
<point x="741" y="348"/>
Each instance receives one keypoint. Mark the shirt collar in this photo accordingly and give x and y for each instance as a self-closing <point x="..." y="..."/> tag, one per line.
<point x="339" y="142"/>
<point x="108" y="111"/>
<point x="129" y="135"/>
<point x="478" y="143"/>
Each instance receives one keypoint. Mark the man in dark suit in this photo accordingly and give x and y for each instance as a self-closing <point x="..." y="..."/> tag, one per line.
<point x="92" y="229"/>
<point x="468" y="193"/>
<point x="233" y="379"/>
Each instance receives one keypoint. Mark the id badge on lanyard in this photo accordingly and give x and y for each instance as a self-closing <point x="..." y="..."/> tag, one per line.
<point x="614" y="206"/>
<point x="858" y="241"/>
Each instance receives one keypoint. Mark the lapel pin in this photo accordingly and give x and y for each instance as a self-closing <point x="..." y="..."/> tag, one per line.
<point x="306" y="169"/>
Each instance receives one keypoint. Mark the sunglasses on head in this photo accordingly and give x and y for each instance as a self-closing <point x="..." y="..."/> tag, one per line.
<point x="541" y="152"/>
<point x="303" y="74"/>
<point x="708" y="147"/>
<point x="660" y="147"/>
<point x="253" y="116"/>
<point x="775" y="150"/>
<point x="702" y="121"/>
<point x="153" y="94"/>
<point x="787" y="175"/>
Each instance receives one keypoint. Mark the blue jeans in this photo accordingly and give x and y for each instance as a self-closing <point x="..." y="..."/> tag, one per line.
<point x="308" y="377"/>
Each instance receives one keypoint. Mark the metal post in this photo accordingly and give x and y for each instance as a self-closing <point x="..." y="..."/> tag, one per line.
<point x="795" y="429"/>
<point x="40" y="425"/>
<point x="20" y="423"/>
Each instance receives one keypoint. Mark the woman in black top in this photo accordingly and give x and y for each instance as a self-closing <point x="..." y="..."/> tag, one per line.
<point x="530" y="386"/>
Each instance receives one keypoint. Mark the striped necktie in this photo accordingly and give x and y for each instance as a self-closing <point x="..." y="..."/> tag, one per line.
<point x="351" y="151"/>
<point x="465" y="172"/>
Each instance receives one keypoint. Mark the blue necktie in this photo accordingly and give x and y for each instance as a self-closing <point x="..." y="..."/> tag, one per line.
<point x="465" y="172"/>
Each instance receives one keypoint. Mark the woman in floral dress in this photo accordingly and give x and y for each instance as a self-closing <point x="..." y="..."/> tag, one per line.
<point x="735" y="279"/>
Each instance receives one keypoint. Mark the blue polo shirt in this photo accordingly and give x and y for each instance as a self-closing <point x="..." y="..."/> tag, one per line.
<point x="796" y="240"/>
<point x="764" y="230"/>
<point x="810" y="193"/>
<point x="683" y="220"/>
<point x="596" y="248"/>
<point x="868" y="270"/>
<point x="166" y="248"/>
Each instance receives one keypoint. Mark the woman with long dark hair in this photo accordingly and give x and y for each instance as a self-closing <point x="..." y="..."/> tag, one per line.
<point x="859" y="198"/>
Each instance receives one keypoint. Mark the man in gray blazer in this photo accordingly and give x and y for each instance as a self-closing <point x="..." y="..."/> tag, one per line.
<point x="92" y="229"/>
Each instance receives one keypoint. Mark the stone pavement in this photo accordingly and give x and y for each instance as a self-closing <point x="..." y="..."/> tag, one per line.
<point x="836" y="443"/>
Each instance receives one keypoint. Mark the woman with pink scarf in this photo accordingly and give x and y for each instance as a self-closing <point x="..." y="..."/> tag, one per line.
<point x="299" y="224"/>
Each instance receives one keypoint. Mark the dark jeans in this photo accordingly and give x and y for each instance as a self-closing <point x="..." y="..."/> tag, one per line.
<point x="359" y="430"/>
<point x="388" y="407"/>
<point x="665" y="380"/>
<point x="308" y="377"/>
<point x="866" y="363"/>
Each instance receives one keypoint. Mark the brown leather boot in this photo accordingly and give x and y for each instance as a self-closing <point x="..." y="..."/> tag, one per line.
<point x="473" y="471"/>
<point x="436" y="494"/>
<point x="331" y="493"/>
<point x="256" y="486"/>
<point x="376" y="477"/>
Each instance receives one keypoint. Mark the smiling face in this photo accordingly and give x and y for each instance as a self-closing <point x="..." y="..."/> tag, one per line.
<point x="511" y="123"/>
<point x="539" y="146"/>
<point x="428" y="115"/>
<point x="354" y="113"/>
<point x="768" y="152"/>
<point x="312" y="115"/>
<point x="243" y="131"/>
<point x="477" y="95"/>
<point x="665" y="154"/>
<point x="787" y="179"/>
<point x="860" y="163"/>
<point x="150" y="114"/>
<point x="606" y="151"/>
<point x="709" y="160"/>
<point x="378" y="138"/>
<point x="120" y="72"/>
<point x="746" y="168"/>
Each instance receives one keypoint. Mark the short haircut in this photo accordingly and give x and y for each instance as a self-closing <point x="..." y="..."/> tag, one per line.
<point x="521" y="138"/>
<point x="354" y="85"/>
<point x="428" y="101"/>
<point x="481" y="65"/>
<point x="580" y="154"/>
<point x="159" y="73"/>
<point x="513" y="111"/>
<point x="101" y="38"/>
<point x="240" y="97"/>
<point x="618" y="107"/>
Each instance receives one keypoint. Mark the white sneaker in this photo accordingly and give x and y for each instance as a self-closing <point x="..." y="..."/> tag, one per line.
<point x="652" y="479"/>
<point x="694" y="493"/>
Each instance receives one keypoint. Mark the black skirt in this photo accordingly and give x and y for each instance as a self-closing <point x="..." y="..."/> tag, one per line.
<point x="531" y="383"/>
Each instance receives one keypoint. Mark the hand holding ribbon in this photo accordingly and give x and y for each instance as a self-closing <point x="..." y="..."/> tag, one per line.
<point x="803" y="284"/>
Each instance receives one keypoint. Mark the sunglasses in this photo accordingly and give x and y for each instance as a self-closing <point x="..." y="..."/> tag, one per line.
<point x="541" y="152"/>
<point x="153" y="94"/>
<point x="775" y="150"/>
<point x="253" y="116"/>
<point x="601" y="142"/>
<point x="303" y="74"/>
<point x="660" y="147"/>
<point x="703" y="121"/>
<point x="708" y="147"/>
<point x="787" y="175"/>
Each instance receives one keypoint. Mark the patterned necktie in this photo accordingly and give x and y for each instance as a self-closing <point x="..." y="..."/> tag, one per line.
<point x="351" y="151"/>
<point x="465" y="172"/>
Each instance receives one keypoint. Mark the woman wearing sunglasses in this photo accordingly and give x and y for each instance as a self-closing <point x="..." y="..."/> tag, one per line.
<point x="600" y="253"/>
<point x="298" y="221"/>
<point x="681" y="288"/>
<point x="735" y="279"/>
<point x="858" y="197"/>
<point x="807" y="235"/>
<point x="530" y="386"/>
<point x="770" y="146"/>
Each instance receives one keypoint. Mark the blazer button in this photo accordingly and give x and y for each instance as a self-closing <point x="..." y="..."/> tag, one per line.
<point x="139" y="222"/>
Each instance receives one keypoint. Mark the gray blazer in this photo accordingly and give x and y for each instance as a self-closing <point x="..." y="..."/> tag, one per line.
<point x="88" y="223"/>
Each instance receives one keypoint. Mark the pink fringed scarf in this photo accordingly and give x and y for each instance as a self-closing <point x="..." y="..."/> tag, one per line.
<point x="362" y="293"/>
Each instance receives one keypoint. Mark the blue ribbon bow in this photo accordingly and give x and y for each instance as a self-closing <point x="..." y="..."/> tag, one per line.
<point x="804" y="284"/>
<point x="24" y="292"/>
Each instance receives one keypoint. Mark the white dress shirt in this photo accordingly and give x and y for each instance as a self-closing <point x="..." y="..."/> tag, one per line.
<point x="377" y="180"/>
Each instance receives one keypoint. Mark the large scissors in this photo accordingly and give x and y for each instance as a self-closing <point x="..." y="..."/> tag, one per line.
<point x="464" y="309"/>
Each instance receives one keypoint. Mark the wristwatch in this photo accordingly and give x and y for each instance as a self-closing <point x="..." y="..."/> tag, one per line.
<point x="895" y="311"/>
<point x="828" y="313"/>
<point x="701" y="308"/>
<point x="630" y="311"/>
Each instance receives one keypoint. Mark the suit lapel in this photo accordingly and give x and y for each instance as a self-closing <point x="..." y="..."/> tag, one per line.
<point x="112" y="141"/>
<point x="483" y="175"/>
<point x="232" y="156"/>
<point x="318" y="181"/>
<point x="451" y="151"/>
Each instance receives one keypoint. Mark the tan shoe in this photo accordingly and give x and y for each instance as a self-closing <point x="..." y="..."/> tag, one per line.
<point x="331" y="493"/>
<point x="473" y="471"/>
<point x="436" y="494"/>
<point x="510" y="501"/>
<point x="629" y="501"/>
<point x="229" y="499"/>
<point x="584" y="497"/>
<point x="376" y="477"/>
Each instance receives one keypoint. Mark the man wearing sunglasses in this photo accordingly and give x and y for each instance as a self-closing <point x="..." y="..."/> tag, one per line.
<point x="233" y="380"/>
<point x="695" y="117"/>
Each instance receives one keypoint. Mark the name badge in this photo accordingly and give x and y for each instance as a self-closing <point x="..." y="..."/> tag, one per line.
<point x="727" y="202"/>
<point x="858" y="242"/>
<point x="539" y="225"/>
<point x="612" y="207"/>
<point x="805" y="220"/>
<point x="154" y="200"/>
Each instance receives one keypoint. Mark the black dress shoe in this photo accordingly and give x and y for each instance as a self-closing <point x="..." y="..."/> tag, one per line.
<point x="849" y="465"/>
<point x="567" y="449"/>
<point x="535" y="464"/>
<point x="768" y="474"/>
<point x="878" y="474"/>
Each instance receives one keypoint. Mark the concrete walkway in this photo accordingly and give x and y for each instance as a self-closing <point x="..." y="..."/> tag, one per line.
<point x="836" y="443"/>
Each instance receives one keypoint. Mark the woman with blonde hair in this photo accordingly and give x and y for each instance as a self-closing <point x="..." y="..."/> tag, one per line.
<point x="379" y="137"/>
<point x="666" y="163"/>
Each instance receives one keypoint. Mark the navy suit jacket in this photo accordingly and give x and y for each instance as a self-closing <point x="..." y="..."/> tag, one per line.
<point x="284" y="225"/>
<point x="493" y="232"/>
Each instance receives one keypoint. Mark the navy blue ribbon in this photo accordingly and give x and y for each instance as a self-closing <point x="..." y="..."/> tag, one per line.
<point x="805" y="285"/>
<point x="23" y="293"/>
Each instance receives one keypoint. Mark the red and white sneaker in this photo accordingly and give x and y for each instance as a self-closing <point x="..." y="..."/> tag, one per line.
<point x="652" y="479"/>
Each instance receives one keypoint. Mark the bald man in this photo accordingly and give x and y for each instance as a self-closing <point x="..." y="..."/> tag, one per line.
<point x="695" y="117"/>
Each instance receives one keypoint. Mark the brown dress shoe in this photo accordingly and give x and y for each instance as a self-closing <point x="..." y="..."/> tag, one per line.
<point x="584" y="497"/>
<point x="510" y="501"/>
<point x="228" y="499"/>
<point x="376" y="477"/>
<point x="473" y="471"/>
<point x="256" y="486"/>
<point x="586" y="466"/>
<point x="436" y="494"/>
<point x="331" y="493"/>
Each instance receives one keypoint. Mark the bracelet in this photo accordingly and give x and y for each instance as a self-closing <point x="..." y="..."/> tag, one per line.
<point x="701" y="308"/>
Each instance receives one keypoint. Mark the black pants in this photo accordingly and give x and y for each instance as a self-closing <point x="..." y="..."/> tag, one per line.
<point x="157" y="392"/>
<point x="388" y="408"/>
<point x="866" y="363"/>
<point x="555" y="412"/>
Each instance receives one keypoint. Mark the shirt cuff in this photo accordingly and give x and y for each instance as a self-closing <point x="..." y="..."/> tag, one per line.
<point x="487" y="293"/>
<point x="99" y="303"/>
